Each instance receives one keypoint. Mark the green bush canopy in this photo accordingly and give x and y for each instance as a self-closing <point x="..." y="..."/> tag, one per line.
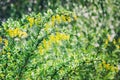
<point x="59" y="40"/>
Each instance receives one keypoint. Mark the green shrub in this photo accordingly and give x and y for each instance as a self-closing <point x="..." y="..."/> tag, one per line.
<point x="60" y="45"/>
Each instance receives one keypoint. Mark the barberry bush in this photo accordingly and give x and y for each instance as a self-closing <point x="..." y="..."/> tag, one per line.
<point x="60" y="45"/>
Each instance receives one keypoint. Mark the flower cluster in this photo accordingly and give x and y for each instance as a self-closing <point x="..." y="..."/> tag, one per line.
<point x="52" y="39"/>
<point x="115" y="42"/>
<point x="107" y="66"/>
<point x="61" y="18"/>
<point x="0" y="39"/>
<point x="58" y="37"/>
<point x="4" y="40"/>
<point x="17" y="32"/>
<point x="31" y="21"/>
<point x="57" y="19"/>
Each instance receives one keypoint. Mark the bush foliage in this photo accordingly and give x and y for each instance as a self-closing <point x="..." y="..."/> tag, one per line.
<point x="79" y="41"/>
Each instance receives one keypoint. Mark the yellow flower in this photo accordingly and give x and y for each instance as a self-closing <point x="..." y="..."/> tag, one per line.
<point x="52" y="23"/>
<point x="68" y="19"/>
<point x="16" y="31"/>
<point x="103" y="62"/>
<point x="31" y="21"/>
<point x="58" y="18"/>
<point x="117" y="46"/>
<point x="74" y="16"/>
<point x="37" y="21"/>
<point x="118" y="40"/>
<point x="22" y="34"/>
<point x="106" y="42"/>
<point x="61" y="71"/>
<point x="63" y="18"/>
<point x="76" y="61"/>
<point x="52" y="38"/>
<point x="8" y="55"/>
<point x="107" y="66"/>
<point x="11" y="33"/>
<point x="57" y="39"/>
<point x="62" y="36"/>
<point x="112" y="68"/>
<point x="48" y="43"/>
<point x="6" y="42"/>
<point x="45" y="43"/>
<point x="0" y="39"/>
<point x="67" y="37"/>
<point x="58" y="34"/>
<point x="114" y="41"/>
<point x="53" y="18"/>
<point x="40" y="49"/>
<point x="47" y="26"/>
<point x="100" y="66"/>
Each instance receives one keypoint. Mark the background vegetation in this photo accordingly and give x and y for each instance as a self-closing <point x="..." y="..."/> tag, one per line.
<point x="59" y="39"/>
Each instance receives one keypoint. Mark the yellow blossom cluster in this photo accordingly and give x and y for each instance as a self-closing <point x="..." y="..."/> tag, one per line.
<point x="0" y="39"/>
<point x="5" y="41"/>
<point x="61" y="71"/>
<point x="31" y="21"/>
<point x="54" y="19"/>
<point x="17" y="32"/>
<point x="48" y="26"/>
<point x="74" y="16"/>
<point x="115" y="42"/>
<point x="108" y="66"/>
<point x="37" y="21"/>
<point x="60" y="18"/>
<point x="52" y="39"/>
<point x="107" y="40"/>
<point x="58" y="37"/>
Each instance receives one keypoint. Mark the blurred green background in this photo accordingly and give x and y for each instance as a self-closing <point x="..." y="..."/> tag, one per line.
<point x="15" y="8"/>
